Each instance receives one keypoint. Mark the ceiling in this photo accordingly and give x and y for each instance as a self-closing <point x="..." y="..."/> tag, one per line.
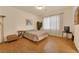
<point x="43" y="12"/>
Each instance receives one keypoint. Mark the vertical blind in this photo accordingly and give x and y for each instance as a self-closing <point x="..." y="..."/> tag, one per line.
<point x="51" y="23"/>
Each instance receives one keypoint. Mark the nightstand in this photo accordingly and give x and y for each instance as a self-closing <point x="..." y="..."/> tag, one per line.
<point x="67" y="33"/>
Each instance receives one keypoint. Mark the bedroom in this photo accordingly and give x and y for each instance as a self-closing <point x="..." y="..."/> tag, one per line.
<point x="25" y="18"/>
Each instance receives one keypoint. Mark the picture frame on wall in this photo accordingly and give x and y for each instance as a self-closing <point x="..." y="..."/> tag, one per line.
<point x="29" y="22"/>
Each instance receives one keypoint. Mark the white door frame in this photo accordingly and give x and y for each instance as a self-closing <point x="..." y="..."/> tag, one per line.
<point x="2" y="29"/>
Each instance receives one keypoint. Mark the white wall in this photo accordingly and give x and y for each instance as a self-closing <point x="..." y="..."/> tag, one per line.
<point x="15" y="20"/>
<point x="68" y="18"/>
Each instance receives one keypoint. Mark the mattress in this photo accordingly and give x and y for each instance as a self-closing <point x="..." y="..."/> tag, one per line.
<point x="35" y="35"/>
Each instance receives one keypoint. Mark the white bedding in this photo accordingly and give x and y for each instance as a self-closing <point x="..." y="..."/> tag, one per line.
<point x="35" y="35"/>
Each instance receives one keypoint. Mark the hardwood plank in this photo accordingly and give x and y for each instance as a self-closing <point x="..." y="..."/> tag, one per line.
<point x="49" y="44"/>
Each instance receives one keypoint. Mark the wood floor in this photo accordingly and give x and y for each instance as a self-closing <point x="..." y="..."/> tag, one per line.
<point x="50" y="44"/>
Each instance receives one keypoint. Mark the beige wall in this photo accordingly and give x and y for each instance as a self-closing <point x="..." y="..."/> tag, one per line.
<point x="15" y="20"/>
<point x="68" y="18"/>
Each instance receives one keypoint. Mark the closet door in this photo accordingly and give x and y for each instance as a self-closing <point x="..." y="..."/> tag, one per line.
<point x="1" y="29"/>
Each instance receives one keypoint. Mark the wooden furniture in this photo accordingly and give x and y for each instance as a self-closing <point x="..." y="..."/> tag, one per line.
<point x="12" y="37"/>
<point x="20" y="33"/>
<point x="67" y="34"/>
<point x="1" y="29"/>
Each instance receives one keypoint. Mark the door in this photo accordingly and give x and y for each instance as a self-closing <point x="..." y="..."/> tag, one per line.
<point x="0" y="29"/>
<point x="76" y="21"/>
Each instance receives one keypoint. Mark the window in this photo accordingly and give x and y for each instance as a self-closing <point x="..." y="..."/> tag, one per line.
<point x="52" y="23"/>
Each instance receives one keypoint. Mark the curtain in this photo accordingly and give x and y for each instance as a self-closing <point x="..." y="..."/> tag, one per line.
<point x="53" y="24"/>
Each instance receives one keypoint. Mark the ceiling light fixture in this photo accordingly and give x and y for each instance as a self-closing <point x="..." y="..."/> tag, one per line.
<point x="40" y="7"/>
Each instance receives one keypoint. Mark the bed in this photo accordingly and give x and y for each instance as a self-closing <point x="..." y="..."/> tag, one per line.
<point x="35" y="35"/>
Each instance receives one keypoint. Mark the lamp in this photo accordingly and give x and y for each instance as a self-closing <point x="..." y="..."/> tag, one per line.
<point x="40" y="7"/>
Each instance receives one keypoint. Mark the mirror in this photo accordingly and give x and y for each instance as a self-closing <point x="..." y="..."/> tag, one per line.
<point x="76" y="16"/>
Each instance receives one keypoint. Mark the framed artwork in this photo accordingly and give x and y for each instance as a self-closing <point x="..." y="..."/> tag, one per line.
<point x="29" y="22"/>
